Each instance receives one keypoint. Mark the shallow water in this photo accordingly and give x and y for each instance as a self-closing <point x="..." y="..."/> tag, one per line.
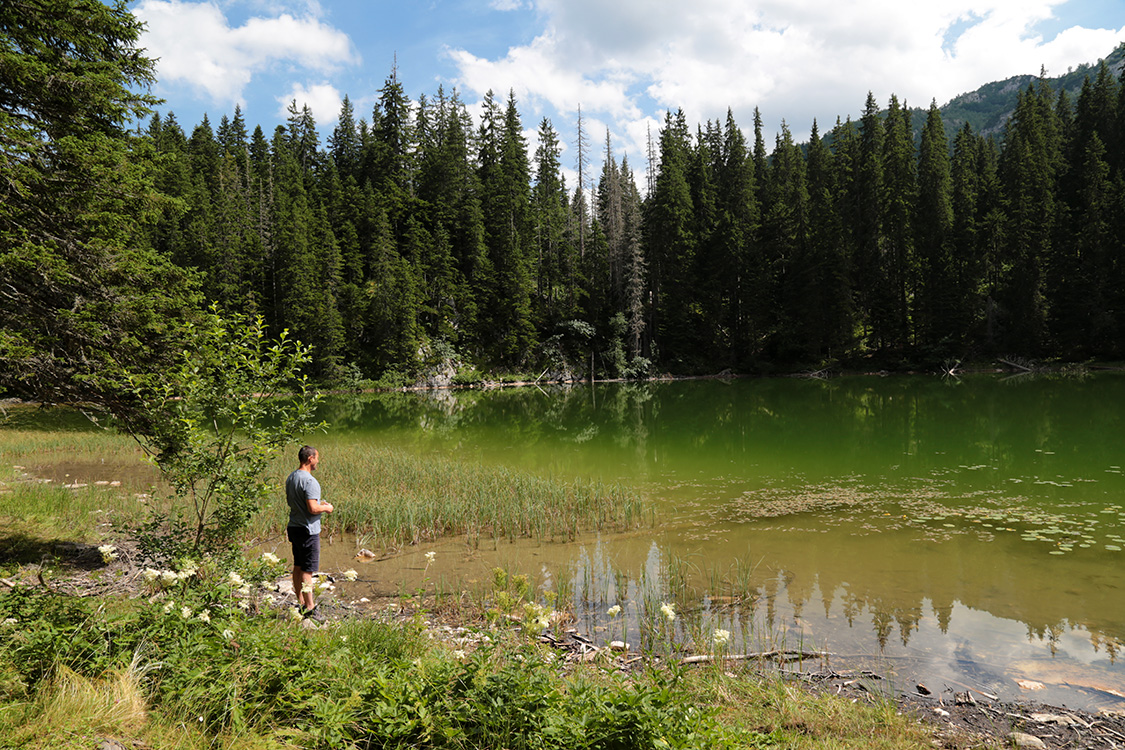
<point x="962" y="533"/>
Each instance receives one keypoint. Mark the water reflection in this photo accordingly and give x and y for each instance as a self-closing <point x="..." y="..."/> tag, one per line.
<point x="971" y="529"/>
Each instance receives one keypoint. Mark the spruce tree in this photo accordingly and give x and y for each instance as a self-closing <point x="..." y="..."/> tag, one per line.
<point x="937" y="299"/>
<point x="897" y="235"/>
<point x="1030" y="168"/>
<point x="671" y="246"/>
<point x="83" y="297"/>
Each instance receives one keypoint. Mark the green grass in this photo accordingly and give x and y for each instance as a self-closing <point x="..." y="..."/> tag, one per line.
<point x="73" y="672"/>
<point x="392" y="496"/>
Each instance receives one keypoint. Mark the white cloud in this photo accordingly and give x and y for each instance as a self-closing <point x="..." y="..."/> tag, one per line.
<point x="539" y="76"/>
<point x="795" y="59"/>
<point x="197" y="46"/>
<point x="322" y="99"/>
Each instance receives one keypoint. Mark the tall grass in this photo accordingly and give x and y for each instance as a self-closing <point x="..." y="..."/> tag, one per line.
<point x="26" y="445"/>
<point x="402" y="498"/>
<point x="393" y="496"/>
<point x="51" y="511"/>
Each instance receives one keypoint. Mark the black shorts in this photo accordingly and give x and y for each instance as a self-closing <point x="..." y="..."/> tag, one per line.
<point x="306" y="548"/>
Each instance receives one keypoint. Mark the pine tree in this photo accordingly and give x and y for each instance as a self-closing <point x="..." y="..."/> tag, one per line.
<point x="1030" y="168"/>
<point x="636" y="272"/>
<point x="737" y="287"/>
<point x="670" y="245"/>
<point x="83" y="298"/>
<point x="344" y="144"/>
<point x="785" y="244"/>
<point x="555" y="261"/>
<point x="937" y="298"/>
<point x="829" y="310"/>
<point x="865" y="217"/>
<point x="897" y="235"/>
<point x="505" y="175"/>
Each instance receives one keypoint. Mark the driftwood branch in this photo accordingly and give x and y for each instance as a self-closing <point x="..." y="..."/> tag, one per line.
<point x="1016" y="365"/>
<point x="779" y="655"/>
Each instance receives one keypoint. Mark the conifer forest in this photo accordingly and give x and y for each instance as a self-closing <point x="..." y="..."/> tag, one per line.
<point x="418" y="232"/>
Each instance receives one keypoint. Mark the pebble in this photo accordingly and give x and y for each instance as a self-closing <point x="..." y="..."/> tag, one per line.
<point x="1019" y="739"/>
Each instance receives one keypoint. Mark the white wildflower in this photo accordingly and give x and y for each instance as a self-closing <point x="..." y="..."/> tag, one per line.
<point x="614" y="611"/>
<point x="169" y="606"/>
<point x="186" y="613"/>
<point x="187" y="569"/>
<point x="228" y="634"/>
<point x="108" y="552"/>
<point x="205" y="616"/>
<point x="11" y="621"/>
<point x="460" y="654"/>
<point x="350" y="575"/>
<point x="668" y="611"/>
<point x="295" y="614"/>
<point x="234" y="578"/>
<point x="270" y="599"/>
<point x="244" y="589"/>
<point x="151" y="574"/>
<point x="306" y="587"/>
<point x="169" y="576"/>
<point x="720" y="637"/>
<point x="430" y="556"/>
<point x="271" y="558"/>
<point x="243" y="604"/>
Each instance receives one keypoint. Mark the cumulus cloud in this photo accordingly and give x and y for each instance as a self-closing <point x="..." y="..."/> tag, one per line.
<point x="540" y="76"/>
<point x="322" y="99"/>
<point x="197" y="46"/>
<point x="795" y="59"/>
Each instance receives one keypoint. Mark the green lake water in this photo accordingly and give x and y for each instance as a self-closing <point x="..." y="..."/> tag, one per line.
<point x="965" y="533"/>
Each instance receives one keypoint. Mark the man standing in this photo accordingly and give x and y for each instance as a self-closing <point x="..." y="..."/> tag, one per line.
<point x="303" y="493"/>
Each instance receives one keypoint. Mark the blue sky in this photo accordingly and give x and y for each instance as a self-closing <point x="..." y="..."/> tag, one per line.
<point x="625" y="62"/>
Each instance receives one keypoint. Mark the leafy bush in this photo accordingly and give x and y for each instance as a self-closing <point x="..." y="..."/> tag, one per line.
<point x="42" y="630"/>
<point x="214" y="421"/>
<point x="471" y="376"/>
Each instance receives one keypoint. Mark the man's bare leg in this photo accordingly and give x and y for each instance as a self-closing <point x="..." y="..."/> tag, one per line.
<point x="302" y="587"/>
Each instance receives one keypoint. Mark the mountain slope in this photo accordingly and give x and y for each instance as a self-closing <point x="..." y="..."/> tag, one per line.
<point x="989" y="107"/>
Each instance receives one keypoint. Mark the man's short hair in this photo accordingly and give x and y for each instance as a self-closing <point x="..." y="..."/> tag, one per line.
<point x="306" y="452"/>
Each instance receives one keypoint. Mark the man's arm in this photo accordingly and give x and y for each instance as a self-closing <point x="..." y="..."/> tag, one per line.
<point x="316" y="507"/>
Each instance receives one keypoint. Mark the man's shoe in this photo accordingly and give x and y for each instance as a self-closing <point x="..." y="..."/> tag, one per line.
<point x="314" y="614"/>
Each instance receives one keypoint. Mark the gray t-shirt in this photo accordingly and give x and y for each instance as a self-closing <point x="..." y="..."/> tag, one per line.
<point x="299" y="488"/>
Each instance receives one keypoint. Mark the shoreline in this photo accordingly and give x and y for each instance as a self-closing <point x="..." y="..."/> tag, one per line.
<point x="954" y="717"/>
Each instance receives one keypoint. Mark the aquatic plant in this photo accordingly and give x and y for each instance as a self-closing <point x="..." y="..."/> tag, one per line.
<point x="391" y="497"/>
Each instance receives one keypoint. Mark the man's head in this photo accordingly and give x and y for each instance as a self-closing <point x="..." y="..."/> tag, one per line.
<point x="308" y="457"/>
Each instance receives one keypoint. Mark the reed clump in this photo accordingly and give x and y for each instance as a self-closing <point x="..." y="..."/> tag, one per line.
<point x="399" y="497"/>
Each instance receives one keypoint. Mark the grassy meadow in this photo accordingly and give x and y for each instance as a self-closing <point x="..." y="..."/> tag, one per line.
<point x="208" y="658"/>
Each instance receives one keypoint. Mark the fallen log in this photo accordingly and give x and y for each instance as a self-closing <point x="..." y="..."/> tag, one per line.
<point x="780" y="655"/>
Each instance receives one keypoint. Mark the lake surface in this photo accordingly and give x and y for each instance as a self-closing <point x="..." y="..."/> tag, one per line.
<point x="965" y="533"/>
